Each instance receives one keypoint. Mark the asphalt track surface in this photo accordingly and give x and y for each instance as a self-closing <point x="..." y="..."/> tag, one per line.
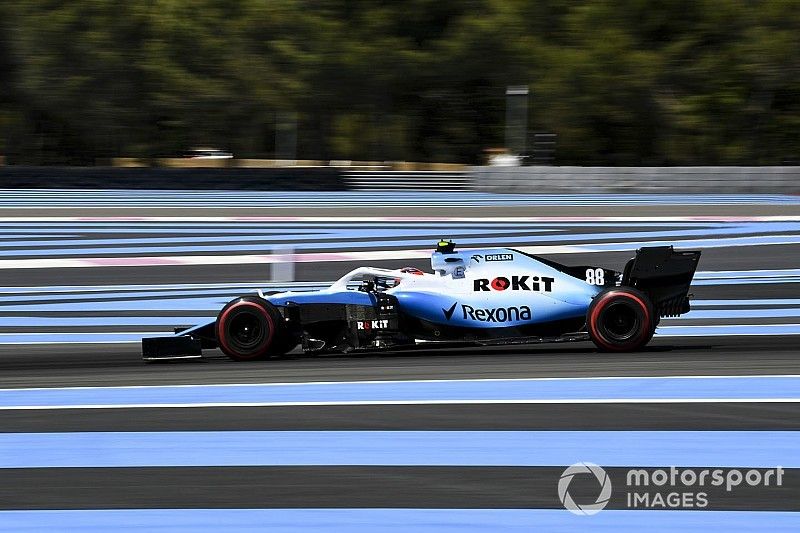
<point x="387" y="488"/>
<point x="87" y="365"/>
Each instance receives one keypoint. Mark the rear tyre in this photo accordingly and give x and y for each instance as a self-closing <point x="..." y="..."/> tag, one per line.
<point x="250" y="328"/>
<point x="621" y="319"/>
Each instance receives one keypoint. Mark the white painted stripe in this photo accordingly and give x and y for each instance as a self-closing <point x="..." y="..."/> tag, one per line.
<point x="400" y="402"/>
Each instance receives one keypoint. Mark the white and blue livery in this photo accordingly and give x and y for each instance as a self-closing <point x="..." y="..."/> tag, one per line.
<point x="484" y="296"/>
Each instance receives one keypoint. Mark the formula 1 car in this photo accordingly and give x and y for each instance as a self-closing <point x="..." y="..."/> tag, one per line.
<point x="481" y="297"/>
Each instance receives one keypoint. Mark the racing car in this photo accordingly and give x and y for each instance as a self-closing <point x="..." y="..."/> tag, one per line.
<point x="489" y="296"/>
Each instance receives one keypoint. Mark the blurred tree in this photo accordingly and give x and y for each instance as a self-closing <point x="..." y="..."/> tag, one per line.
<point x="627" y="82"/>
<point x="9" y="112"/>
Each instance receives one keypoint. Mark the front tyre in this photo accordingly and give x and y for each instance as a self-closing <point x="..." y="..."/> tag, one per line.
<point x="621" y="319"/>
<point x="250" y="328"/>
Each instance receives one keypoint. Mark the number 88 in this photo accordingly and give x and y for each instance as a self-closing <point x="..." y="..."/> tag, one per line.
<point x="595" y="276"/>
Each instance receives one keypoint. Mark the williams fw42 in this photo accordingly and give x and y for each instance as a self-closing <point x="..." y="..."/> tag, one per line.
<point x="484" y="297"/>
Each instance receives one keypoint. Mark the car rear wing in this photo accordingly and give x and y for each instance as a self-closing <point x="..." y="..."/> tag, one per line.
<point x="664" y="274"/>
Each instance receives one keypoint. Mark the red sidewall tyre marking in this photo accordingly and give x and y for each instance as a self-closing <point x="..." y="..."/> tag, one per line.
<point x="221" y="329"/>
<point x="607" y="297"/>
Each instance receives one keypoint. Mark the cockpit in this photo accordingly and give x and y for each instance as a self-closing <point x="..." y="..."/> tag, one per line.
<point x="445" y="261"/>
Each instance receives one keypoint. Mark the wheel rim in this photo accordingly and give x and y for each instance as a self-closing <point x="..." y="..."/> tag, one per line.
<point x="620" y="322"/>
<point x="246" y="331"/>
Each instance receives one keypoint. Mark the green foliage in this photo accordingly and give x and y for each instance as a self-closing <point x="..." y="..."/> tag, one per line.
<point x="626" y="82"/>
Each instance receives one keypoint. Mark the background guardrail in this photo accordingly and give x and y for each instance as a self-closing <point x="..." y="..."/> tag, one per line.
<point x="568" y="180"/>
<point x="263" y="179"/>
<point x="409" y="177"/>
<point x="387" y="180"/>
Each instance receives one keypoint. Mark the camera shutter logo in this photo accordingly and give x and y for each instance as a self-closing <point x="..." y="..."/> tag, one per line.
<point x="602" y="498"/>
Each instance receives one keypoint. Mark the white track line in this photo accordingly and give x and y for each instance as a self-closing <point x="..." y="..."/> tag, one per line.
<point x="397" y="402"/>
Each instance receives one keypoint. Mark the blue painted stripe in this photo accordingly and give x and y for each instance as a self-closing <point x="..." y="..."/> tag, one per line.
<point x="781" y="312"/>
<point x="157" y="304"/>
<point x="239" y="226"/>
<point x="129" y="295"/>
<point x="749" y="301"/>
<point x="78" y="338"/>
<point x="94" y="321"/>
<point x="568" y="389"/>
<point x="397" y="521"/>
<point x="13" y="236"/>
<point x="744" y="449"/>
